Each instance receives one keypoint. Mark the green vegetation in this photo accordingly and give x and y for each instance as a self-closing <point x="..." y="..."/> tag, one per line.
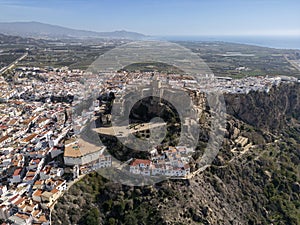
<point x="151" y="67"/>
<point x="281" y="189"/>
<point x="45" y="53"/>
<point x="260" y="186"/>
<point x="224" y="59"/>
<point x="266" y="181"/>
<point x="92" y="217"/>
<point x="125" y="207"/>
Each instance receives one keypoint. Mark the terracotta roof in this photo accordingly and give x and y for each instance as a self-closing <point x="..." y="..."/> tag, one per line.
<point x="38" y="182"/>
<point x="26" y="122"/>
<point x="43" y="219"/>
<point x="17" y="102"/>
<point x="141" y="161"/>
<point x="3" y="127"/>
<point x="12" y="122"/>
<point x="19" y="201"/>
<point x="80" y="149"/>
<point x="35" y="212"/>
<point x="27" y="178"/>
<point x="54" y="191"/>
<point x="14" y="198"/>
<point x="40" y="120"/>
<point x="17" y="172"/>
<point x="29" y="138"/>
<point x="4" y="138"/>
<point x="30" y="174"/>
<point x="38" y="192"/>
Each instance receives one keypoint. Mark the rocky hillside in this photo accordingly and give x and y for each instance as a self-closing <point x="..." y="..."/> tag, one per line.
<point x="244" y="185"/>
<point x="267" y="110"/>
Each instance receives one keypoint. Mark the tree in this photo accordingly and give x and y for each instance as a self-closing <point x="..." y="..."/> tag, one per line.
<point x="130" y="219"/>
<point x="91" y="218"/>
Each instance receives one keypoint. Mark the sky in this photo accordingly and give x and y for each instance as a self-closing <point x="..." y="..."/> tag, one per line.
<point x="162" y="17"/>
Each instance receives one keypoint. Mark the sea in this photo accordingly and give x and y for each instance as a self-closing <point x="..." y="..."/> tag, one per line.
<point x="279" y="42"/>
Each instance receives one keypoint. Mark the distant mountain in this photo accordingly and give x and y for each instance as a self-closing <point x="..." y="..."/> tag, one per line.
<point x="47" y="31"/>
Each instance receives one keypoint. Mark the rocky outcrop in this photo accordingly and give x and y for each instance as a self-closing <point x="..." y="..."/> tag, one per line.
<point x="267" y="110"/>
<point x="259" y="186"/>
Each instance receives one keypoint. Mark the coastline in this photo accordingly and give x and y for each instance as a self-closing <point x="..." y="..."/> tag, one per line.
<point x="278" y="42"/>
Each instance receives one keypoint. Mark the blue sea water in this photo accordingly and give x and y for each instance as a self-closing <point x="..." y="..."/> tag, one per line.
<point x="280" y="42"/>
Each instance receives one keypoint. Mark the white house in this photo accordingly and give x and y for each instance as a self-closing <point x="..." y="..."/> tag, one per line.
<point x="55" y="152"/>
<point x="45" y="172"/>
<point x="75" y="154"/>
<point x="103" y="162"/>
<point x="21" y="219"/>
<point x="3" y="190"/>
<point x="140" y="166"/>
<point x="5" y="211"/>
<point x="29" y="178"/>
<point x="60" y="172"/>
<point x="37" y="195"/>
<point x="33" y="164"/>
<point x="157" y="169"/>
<point x="16" y="178"/>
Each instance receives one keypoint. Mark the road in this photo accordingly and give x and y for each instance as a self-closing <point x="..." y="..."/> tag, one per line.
<point x="10" y="66"/>
<point x="294" y="63"/>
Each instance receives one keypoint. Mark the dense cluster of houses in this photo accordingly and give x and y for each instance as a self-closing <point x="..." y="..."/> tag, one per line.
<point x="259" y="83"/>
<point x="173" y="162"/>
<point x="38" y="152"/>
<point x="35" y="128"/>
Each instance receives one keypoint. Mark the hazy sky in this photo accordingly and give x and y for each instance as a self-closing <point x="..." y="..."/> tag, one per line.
<point x="162" y="17"/>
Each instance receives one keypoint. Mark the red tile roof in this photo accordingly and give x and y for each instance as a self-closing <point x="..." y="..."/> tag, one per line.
<point x="38" y="192"/>
<point x="137" y="162"/>
<point x="17" y="172"/>
<point x="19" y="201"/>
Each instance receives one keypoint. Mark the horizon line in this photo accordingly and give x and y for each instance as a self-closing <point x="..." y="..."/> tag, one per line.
<point x="286" y="33"/>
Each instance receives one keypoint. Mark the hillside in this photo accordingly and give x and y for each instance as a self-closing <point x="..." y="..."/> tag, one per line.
<point x="47" y="31"/>
<point x="258" y="185"/>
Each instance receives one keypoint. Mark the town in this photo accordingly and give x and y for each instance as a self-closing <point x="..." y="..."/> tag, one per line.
<point x="42" y="151"/>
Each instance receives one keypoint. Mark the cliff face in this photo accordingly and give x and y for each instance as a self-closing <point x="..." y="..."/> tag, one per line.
<point x="257" y="185"/>
<point x="267" y="110"/>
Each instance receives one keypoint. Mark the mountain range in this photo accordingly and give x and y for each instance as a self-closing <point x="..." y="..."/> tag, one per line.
<point x="48" y="31"/>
